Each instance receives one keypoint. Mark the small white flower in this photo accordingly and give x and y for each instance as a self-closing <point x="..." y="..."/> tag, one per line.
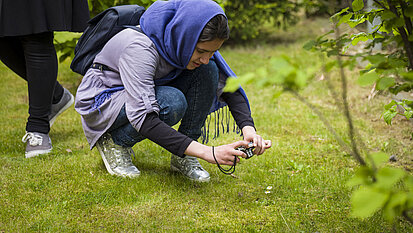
<point x="269" y="187"/>
<point x="267" y="192"/>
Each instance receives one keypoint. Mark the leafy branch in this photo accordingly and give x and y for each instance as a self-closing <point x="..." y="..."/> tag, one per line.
<point x="377" y="187"/>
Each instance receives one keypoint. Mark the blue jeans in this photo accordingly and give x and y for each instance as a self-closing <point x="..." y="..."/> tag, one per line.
<point x="188" y="98"/>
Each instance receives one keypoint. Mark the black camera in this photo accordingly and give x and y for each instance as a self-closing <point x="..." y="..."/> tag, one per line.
<point x="248" y="151"/>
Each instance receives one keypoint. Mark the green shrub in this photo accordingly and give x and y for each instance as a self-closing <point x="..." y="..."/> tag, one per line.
<point x="247" y="16"/>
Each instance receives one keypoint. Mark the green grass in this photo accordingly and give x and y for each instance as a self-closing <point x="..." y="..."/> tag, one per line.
<point x="69" y="190"/>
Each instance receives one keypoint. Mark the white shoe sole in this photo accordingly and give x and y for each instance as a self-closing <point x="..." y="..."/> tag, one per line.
<point x="35" y="153"/>
<point x="68" y="104"/>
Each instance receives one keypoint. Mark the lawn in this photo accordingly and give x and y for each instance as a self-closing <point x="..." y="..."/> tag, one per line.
<point x="299" y="185"/>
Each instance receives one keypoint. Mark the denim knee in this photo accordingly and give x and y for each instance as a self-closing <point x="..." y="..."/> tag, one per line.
<point x="172" y="103"/>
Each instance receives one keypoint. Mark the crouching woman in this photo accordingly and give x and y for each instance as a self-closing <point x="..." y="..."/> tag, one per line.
<point x="169" y="71"/>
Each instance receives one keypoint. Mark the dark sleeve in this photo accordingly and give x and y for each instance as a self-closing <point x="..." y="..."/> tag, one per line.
<point x="239" y="108"/>
<point x="162" y="134"/>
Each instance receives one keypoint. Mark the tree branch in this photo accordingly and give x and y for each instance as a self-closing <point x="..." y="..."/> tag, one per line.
<point x="354" y="147"/>
<point x="403" y="34"/>
<point x="407" y="20"/>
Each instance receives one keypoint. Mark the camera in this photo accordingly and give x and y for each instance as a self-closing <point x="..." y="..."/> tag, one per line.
<point x="248" y="151"/>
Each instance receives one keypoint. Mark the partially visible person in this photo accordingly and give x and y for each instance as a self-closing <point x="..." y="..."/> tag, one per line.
<point x="26" y="47"/>
<point x="145" y="81"/>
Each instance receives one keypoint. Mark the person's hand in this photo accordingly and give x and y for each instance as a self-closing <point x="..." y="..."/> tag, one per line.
<point x="250" y="135"/>
<point x="226" y="154"/>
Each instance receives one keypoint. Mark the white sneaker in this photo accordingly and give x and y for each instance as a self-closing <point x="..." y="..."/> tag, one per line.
<point x="190" y="167"/>
<point x="117" y="158"/>
<point x="37" y="144"/>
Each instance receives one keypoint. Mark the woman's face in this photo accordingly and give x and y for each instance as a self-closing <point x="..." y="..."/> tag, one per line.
<point x="203" y="52"/>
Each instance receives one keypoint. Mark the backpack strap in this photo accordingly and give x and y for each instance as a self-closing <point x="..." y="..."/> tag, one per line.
<point x="136" y="28"/>
<point x="102" y="67"/>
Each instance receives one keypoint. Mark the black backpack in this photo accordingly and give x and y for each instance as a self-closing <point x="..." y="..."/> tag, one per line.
<point x="100" y="29"/>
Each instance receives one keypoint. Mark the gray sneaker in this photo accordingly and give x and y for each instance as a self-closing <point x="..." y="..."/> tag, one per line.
<point x="117" y="158"/>
<point x="58" y="108"/>
<point x="37" y="144"/>
<point x="190" y="167"/>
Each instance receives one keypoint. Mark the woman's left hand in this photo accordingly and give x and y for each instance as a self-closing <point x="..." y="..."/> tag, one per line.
<point x="259" y="143"/>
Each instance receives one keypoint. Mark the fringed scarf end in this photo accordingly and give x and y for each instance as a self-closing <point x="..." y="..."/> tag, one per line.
<point x="222" y="122"/>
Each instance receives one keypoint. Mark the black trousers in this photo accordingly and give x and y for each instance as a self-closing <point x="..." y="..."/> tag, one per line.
<point x="33" y="57"/>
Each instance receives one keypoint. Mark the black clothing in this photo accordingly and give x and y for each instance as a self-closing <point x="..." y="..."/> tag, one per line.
<point x="24" y="17"/>
<point x="33" y="57"/>
<point x="26" y="47"/>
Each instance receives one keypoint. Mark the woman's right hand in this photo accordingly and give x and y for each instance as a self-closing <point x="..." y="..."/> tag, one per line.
<point x="226" y="154"/>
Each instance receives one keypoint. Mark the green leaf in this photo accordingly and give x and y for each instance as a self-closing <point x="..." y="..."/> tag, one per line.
<point x="309" y="45"/>
<point x="387" y="177"/>
<point x="358" y="39"/>
<point x="338" y="14"/>
<point x="390" y="105"/>
<point x="232" y="84"/>
<point x="394" y="206"/>
<point x="357" y="5"/>
<point x="408" y="114"/>
<point x="344" y="19"/>
<point x="398" y="22"/>
<point x="353" y="23"/>
<point x="379" y="158"/>
<point x="361" y="177"/>
<point x="376" y="59"/>
<point x="407" y="75"/>
<point x="368" y="78"/>
<point x="385" y="83"/>
<point x="366" y="201"/>
<point x="387" y="15"/>
<point x="389" y="115"/>
<point x="332" y="52"/>
<point x="409" y="11"/>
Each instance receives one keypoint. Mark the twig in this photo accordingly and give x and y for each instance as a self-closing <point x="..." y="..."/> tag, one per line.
<point x="355" y="150"/>
<point x="324" y="120"/>
<point x="339" y="105"/>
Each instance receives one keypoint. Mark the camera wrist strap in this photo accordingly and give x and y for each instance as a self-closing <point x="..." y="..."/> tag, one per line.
<point x="225" y="171"/>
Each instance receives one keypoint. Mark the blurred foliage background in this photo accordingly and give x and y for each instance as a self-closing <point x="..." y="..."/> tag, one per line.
<point x="248" y="19"/>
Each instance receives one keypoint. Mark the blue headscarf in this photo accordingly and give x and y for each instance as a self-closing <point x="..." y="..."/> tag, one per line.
<point x="174" y="27"/>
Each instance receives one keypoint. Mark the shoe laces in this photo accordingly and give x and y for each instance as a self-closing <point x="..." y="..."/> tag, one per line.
<point x="34" y="139"/>
<point x="193" y="162"/>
